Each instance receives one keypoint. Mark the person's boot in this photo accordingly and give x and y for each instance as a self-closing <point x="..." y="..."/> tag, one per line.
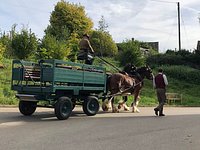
<point x="161" y="112"/>
<point x="156" y="111"/>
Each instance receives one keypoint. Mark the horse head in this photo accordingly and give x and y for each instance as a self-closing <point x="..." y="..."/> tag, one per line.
<point x="146" y="72"/>
<point x="130" y="68"/>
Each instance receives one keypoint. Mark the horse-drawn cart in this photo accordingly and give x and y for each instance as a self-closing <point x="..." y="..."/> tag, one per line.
<point x="60" y="84"/>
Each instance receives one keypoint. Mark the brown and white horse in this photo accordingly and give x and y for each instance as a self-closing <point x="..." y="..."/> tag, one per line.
<point x="120" y="84"/>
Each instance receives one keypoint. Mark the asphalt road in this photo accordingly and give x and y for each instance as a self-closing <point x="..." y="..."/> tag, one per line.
<point x="178" y="130"/>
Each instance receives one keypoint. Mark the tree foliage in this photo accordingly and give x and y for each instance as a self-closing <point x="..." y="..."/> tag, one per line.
<point x="6" y="40"/>
<point x="68" y="18"/>
<point x="103" y="44"/>
<point x="171" y="57"/>
<point x="2" y="51"/>
<point x="73" y="46"/>
<point x="103" y="26"/>
<point x="68" y="22"/>
<point x="129" y="52"/>
<point x="52" y="48"/>
<point x="102" y="41"/>
<point x="24" y="44"/>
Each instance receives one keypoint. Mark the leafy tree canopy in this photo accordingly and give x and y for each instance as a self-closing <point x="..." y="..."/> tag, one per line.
<point x="129" y="52"/>
<point x="52" y="48"/>
<point x="24" y="44"/>
<point x="68" y="18"/>
<point x="103" y="44"/>
<point x="2" y="50"/>
<point x="103" y="26"/>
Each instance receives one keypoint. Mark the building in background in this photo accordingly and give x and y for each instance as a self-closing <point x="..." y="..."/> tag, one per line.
<point x="153" y="45"/>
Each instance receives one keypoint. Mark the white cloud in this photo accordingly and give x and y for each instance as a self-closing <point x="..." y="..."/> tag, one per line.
<point x="144" y="20"/>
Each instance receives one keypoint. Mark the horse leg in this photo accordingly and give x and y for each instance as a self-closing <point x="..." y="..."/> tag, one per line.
<point x="114" y="108"/>
<point x="135" y="103"/>
<point x="126" y="108"/>
<point x="123" y="104"/>
<point x="109" y="104"/>
<point x="106" y="104"/>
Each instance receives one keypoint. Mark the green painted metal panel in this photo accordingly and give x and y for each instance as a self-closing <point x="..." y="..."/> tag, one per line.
<point x="17" y="74"/>
<point x="93" y="77"/>
<point x="60" y="75"/>
<point x="68" y="75"/>
<point x="47" y="74"/>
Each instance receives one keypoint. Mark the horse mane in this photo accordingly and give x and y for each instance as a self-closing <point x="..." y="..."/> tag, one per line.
<point x="141" y="69"/>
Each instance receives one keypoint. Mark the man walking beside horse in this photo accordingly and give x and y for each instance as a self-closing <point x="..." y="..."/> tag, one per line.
<point x="160" y="82"/>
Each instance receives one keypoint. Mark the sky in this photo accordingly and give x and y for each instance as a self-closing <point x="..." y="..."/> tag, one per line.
<point x="143" y="20"/>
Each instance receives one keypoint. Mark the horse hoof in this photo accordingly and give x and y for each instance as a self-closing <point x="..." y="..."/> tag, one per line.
<point x="115" y="110"/>
<point x="138" y="111"/>
<point x="119" y="106"/>
<point x="104" y="109"/>
<point x="126" y="108"/>
<point x="135" y="110"/>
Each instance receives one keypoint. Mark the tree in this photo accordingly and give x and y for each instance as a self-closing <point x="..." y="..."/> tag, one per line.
<point x="50" y="47"/>
<point x="129" y="52"/>
<point x="73" y="46"/>
<point x="102" y="41"/>
<point x="2" y="51"/>
<point x="67" y="19"/>
<point x="103" y="44"/>
<point x="6" y="40"/>
<point x="68" y="22"/>
<point x="103" y="26"/>
<point x="24" y="44"/>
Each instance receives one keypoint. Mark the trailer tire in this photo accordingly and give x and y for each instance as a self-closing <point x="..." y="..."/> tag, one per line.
<point x="27" y="108"/>
<point x="91" y="105"/>
<point x="63" y="108"/>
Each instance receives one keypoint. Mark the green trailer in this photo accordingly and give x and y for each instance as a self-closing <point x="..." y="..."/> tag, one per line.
<point x="58" y="84"/>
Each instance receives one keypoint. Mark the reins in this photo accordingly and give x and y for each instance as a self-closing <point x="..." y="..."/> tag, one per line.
<point x="120" y="93"/>
<point x="109" y="63"/>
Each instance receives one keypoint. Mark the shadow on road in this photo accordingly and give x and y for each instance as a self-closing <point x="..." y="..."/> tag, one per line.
<point x="48" y="116"/>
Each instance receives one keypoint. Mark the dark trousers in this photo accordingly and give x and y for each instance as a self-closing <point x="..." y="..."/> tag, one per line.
<point x="89" y="62"/>
<point x="161" y="99"/>
<point x="85" y="55"/>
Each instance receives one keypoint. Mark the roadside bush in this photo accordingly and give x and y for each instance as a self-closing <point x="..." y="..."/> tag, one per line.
<point x="7" y="96"/>
<point x="183" y="73"/>
<point x="162" y="59"/>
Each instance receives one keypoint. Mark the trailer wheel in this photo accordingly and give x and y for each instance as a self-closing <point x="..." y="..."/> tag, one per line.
<point x="27" y="108"/>
<point x="63" y="108"/>
<point x="91" y="106"/>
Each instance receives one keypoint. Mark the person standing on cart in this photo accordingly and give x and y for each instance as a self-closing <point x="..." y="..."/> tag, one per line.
<point x="86" y="51"/>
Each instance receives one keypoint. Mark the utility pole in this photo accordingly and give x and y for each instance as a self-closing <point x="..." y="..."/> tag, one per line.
<point x="179" y="27"/>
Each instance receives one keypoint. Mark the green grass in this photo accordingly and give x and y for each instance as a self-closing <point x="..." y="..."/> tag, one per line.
<point x="190" y="93"/>
<point x="7" y="96"/>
